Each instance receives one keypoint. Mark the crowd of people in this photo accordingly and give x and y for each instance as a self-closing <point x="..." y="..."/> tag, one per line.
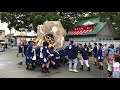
<point x="112" y="55"/>
<point x="47" y="57"/>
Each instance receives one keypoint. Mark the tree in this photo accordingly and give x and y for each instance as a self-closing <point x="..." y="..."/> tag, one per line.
<point x="115" y="19"/>
<point x="27" y="20"/>
<point x="68" y="19"/>
<point x="16" y="20"/>
<point x="38" y="18"/>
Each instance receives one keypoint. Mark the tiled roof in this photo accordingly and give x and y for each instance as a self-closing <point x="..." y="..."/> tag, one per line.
<point x="81" y="29"/>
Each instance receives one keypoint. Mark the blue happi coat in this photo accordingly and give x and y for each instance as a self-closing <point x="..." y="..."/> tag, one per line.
<point x="25" y="48"/>
<point x="56" y="55"/>
<point x="29" y="54"/>
<point x="95" y="50"/>
<point x="44" y="53"/>
<point x="71" y="51"/>
<point x="63" y="54"/>
<point x="20" y="49"/>
<point x="37" y="52"/>
<point x="84" y="53"/>
<point x="100" y="55"/>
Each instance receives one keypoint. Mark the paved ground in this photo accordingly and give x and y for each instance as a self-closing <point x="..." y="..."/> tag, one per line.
<point x="9" y="68"/>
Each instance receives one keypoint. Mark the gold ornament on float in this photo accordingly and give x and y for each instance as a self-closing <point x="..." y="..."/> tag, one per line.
<point x="52" y="32"/>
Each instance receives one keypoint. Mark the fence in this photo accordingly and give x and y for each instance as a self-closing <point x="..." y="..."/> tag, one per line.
<point x="108" y="42"/>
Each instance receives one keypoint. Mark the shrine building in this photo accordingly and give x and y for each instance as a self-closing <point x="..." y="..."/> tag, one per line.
<point x="92" y="30"/>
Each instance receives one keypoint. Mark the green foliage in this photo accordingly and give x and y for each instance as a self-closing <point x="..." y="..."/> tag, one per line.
<point x="38" y="18"/>
<point x="16" y="20"/>
<point x="115" y="19"/>
<point x="68" y="19"/>
<point x="24" y="20"/>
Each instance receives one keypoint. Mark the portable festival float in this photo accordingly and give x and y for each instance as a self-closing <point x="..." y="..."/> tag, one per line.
<point x="52" y="32"/>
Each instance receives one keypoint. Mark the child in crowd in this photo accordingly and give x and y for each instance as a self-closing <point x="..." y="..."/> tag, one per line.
<point x="116" y="65"/>
<point x="111" y="52"/>
<point x="110" y="69"/>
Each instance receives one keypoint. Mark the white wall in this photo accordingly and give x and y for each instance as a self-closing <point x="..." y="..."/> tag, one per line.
<point x="18" y="40"/>
<point x="83" y="38"/>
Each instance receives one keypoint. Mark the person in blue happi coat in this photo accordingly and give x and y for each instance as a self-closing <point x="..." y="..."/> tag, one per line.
<point x="57" y="57"/>
<point x="39" y="62"/>
<point x="63" y="56"/>
<point x="72" y="56"/>
<point x="52" y="58"/>
<point x="29" y="56"/>
<point x="44" y="57"/>
<point x="25" y="49"/>
<point x="85" y="56"/>
<point x="20" y="50"/>
<point x="95" y="51"/>
<point x="100" y="56"/>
